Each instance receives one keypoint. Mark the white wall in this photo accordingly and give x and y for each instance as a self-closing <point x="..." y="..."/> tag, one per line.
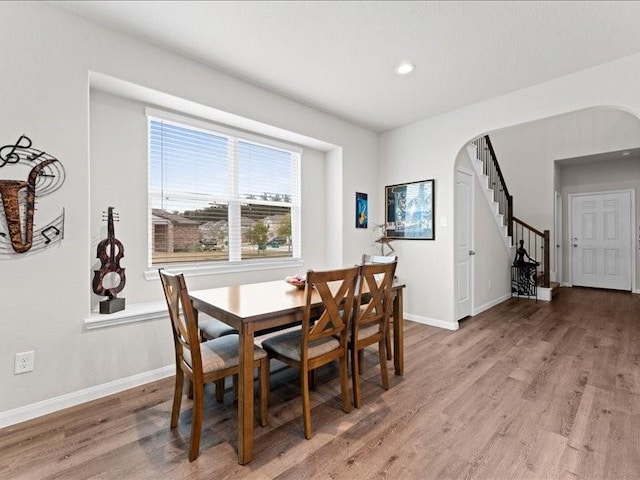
<point x="333" y="201"/>
<point x="527" y="152"/>
<point x="491" y="263"/>
<point x="602" y="176"/>
<point x="46" y="57"/>
<point x="118" y="153"/>
<point x="428" y="149"/>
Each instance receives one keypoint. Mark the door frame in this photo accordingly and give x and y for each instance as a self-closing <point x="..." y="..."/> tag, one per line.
<point x="557" y="236"/>
<point x="472" y="240"/>
<point x="632" y="220"/>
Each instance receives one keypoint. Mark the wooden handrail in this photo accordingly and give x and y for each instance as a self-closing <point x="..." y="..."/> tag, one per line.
<point x="544" y="248"/>
<point x="496" y="182"/>
<point x="527" y="226"/>
<point x="497" y="165"/>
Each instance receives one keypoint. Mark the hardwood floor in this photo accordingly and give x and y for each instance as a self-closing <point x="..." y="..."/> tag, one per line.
<point x="523" y="391"/>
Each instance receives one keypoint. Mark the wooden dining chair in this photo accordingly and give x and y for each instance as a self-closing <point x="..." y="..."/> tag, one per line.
<point x="202" y="363"/>
<point x="383" y="259"/>
<point x="322" y="337"/>
<point x="211" y="328"/>
<point x="370" y="321"/>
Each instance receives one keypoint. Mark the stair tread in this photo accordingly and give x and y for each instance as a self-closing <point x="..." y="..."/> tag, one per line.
<point x="552" y="285"/>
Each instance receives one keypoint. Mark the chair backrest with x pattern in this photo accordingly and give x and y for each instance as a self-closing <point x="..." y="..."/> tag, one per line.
<point x="376" y="282"/>
<point x="336" y="289"/>
<point x="183" y="321"/>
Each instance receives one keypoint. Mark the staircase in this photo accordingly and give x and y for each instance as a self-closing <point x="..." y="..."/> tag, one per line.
<point x="515" y="233"/>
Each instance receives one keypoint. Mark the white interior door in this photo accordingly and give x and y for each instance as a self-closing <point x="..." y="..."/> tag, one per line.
<point x="601" y="240"/>
<point x="464" y="243"/>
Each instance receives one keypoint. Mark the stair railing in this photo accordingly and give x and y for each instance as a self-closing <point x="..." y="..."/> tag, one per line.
<point x="491" y="168"/>
<point x="536" y="244"/>
<point x="534" y="241"/>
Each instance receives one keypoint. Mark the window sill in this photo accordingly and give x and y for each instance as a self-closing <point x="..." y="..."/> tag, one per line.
<point x="137" y="312"/>
<point x="195" y="270"/>
<point x="142" y="312"/>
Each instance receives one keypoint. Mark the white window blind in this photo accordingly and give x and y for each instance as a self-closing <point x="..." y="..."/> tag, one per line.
<point x="219" y="196"/>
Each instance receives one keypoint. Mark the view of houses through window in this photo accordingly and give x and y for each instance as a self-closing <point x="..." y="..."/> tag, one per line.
<point x="217" y="197"/>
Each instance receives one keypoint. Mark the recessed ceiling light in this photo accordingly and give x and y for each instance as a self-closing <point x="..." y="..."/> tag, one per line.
<point x="626" y="154"/>
<point x="405" y="68"/>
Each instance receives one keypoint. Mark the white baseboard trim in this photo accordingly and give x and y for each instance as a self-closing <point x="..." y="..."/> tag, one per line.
<point x="566" y="284"/>
<point x="38" y="409"/>
<point x="492" y="303"/>
<point x="434" y="322"/>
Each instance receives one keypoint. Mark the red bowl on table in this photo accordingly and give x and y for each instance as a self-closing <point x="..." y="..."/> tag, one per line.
<point x="296" y="281"/>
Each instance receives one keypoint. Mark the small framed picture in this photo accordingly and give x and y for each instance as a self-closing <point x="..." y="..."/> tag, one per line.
<point x="362" y="210"/>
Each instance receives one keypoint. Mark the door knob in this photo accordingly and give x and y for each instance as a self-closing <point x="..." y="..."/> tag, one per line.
<point x="575" y="244"/>
<point x="471" y="252"/>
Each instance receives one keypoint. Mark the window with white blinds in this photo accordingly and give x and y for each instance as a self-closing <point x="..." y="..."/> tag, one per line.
<point x="216" y="195"/>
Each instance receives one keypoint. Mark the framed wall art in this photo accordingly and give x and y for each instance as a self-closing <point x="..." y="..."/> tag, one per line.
<point x="362" y="210"/>
<point x="409" y="210"/>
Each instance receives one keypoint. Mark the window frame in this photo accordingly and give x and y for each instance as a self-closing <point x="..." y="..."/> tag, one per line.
<point x="235" y="263"/>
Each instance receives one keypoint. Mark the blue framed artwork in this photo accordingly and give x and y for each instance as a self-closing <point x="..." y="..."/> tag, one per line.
<point x="410" y="210"/>
<point x="362" y="210"/>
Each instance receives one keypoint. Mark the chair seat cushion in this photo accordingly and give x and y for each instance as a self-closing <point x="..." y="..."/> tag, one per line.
<point x="213" y="328"/>
<point x="367" y="331"/>
<point x="288" y="345"/>
<point x="221" y="353"/>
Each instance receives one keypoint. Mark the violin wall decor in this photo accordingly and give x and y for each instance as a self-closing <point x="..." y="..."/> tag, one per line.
<point x="110" y="279"/>
<point x="19" y="196"/>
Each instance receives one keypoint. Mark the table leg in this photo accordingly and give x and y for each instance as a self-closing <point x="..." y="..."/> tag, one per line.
<point x="245" y="395"/>
<point x="398" y="333"/>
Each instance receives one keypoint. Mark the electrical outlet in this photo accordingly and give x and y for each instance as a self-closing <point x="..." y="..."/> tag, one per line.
<point x="24" y="362"/>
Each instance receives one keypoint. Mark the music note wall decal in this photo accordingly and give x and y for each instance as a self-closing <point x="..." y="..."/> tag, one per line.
<point x="44" y="233"/>
<point x="18" y="234"/>
<point x="8" y="152"/>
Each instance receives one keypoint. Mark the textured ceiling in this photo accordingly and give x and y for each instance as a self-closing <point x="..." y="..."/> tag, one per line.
<point x="339" y="57"/>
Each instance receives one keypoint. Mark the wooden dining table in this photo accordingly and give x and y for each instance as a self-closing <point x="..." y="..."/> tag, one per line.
<point x="259" y="307"/>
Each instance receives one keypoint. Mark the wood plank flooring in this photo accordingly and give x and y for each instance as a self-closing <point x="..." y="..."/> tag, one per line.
<point x="523" y="391"/>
